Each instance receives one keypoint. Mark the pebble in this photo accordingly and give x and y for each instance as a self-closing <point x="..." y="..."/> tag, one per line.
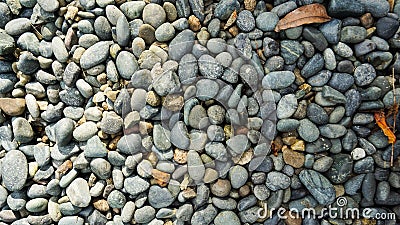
<point x="14" y="169"/>
<point x="316" y="37"/>
<point x="277" y="181"/>
<point x="245" y="21"/>
<point x="78" y="193"/>
<point x="287" y="106"/>
<point x="133" y="9"/>
<point x="227" y="217"/>
<point x="319" y="186"/>
<point x="85" y="131"/>
<point x="267" y="21"/>
<point x="154" y="15"/>
<point x="126" y="64"/>
<point x="308" y="130"/>
<point x="95" y="55"/>
<point x="386" y="27"/>
<point x="278" y="79"/>
<point x="144" y="214"/>
<point x="165" y="32"/>
<point x="353" y="34"/>
<point x="364" y="74"/>
<point x="22" y="130"/>
<point x="160" y="197"/>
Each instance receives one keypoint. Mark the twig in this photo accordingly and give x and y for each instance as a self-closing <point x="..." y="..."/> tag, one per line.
<point x="394" y="116"/>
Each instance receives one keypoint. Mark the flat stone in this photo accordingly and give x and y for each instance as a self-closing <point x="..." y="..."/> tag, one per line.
<point x="14" y="170"/>
<point x="319" y="186"/>
<point x="78" y="193"/>
<point x="12" y="106"/>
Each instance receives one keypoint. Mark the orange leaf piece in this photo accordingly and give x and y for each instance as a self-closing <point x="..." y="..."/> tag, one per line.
<point x="314" y="13"/>
<point x="381" y="121"/>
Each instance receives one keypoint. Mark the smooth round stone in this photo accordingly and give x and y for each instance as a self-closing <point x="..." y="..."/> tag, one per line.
<point x="95" y="55"/>
<point x="238" y="176"/>
<point x="206" y="89"/>
<point x="287" y="106"/>
<point x="165" y="32"/>
<point x="101" y="168"/>
<point x="116" y="199"/>
<point x="341" y="9"/>
<point x="85" y="131"/>
<point x="317" y="114"/>
<point x="102" y="28"/>
<point x="28" y="41"/>
<point x="154" y="15"/>
<point x="7" y="44"/>
<point x="78" y="193"/>
<point x="161" y="137"/>
<point x="364" y="74"/>
<point x="267" y="21"/>
<point x="245" y="21"/>
<point x="313" y="66"/>
<point x="319" y="186"/>
<point x="49" y="5"/>
<point x="277" y="181"/>
<point x="331" y="30"/>
<point x="287" y="125"/>
<point x="329" y="58"/>
<point x="17" y="26"/>
<point x="322" y="164"/>
<point x="209" y="67"/>
<point x="36" y="205"/>
<point x="5" y="14"/>
<point x="144" y="214"/>
<point x="227" y="217"/>
<point x="133" y="9"/>
<point x="28" y="63"/>
<point x="113" y="13"/>
<point x="278" y="79"/>
<point x="381" y="44"/>
<point x="196" y="168"/>
<point x="160" y="197"/>
<point x="364" y="47"/>
<point x="308" y="130"/>
<point x="341" y="81"/>
<point x="22" y="130"/>
<point x="147" y="32"/>
<point x="343" y="50"/>
<point x="320" y="79"/>
<point x="386" y="27"/>
<point x="353" y="34"/>
<point x="71" y="220"/>
<point x="126" y="64"/>
<point x="111" y="123"/>
<point x="216" y="45"/>
<point x="14" y="170"/>
<point x="332" y="130"/>
<point x="122" y="31"/>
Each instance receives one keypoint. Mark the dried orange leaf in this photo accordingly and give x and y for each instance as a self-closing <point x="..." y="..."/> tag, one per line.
<point x="381" y="121"/>
<point x="314" y="13"/>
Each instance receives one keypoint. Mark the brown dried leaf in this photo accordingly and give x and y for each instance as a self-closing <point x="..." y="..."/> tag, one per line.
<point x="314" y="13"/>
<point x="391" y="4"/>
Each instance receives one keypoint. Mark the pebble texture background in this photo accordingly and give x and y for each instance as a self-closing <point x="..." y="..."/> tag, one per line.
<point x="195" y="111"/>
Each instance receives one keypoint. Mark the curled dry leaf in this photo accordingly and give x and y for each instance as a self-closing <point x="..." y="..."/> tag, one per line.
<point x="380" y="119"/>
<point x="314" y="13"/>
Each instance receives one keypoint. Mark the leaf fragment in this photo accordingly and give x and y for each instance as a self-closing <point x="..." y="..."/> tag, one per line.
<point x="313" y="13"/>
<point x="380" y="119"/>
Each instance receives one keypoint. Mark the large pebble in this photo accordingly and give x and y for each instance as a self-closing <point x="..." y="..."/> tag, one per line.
<point x="14" y="170"/>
